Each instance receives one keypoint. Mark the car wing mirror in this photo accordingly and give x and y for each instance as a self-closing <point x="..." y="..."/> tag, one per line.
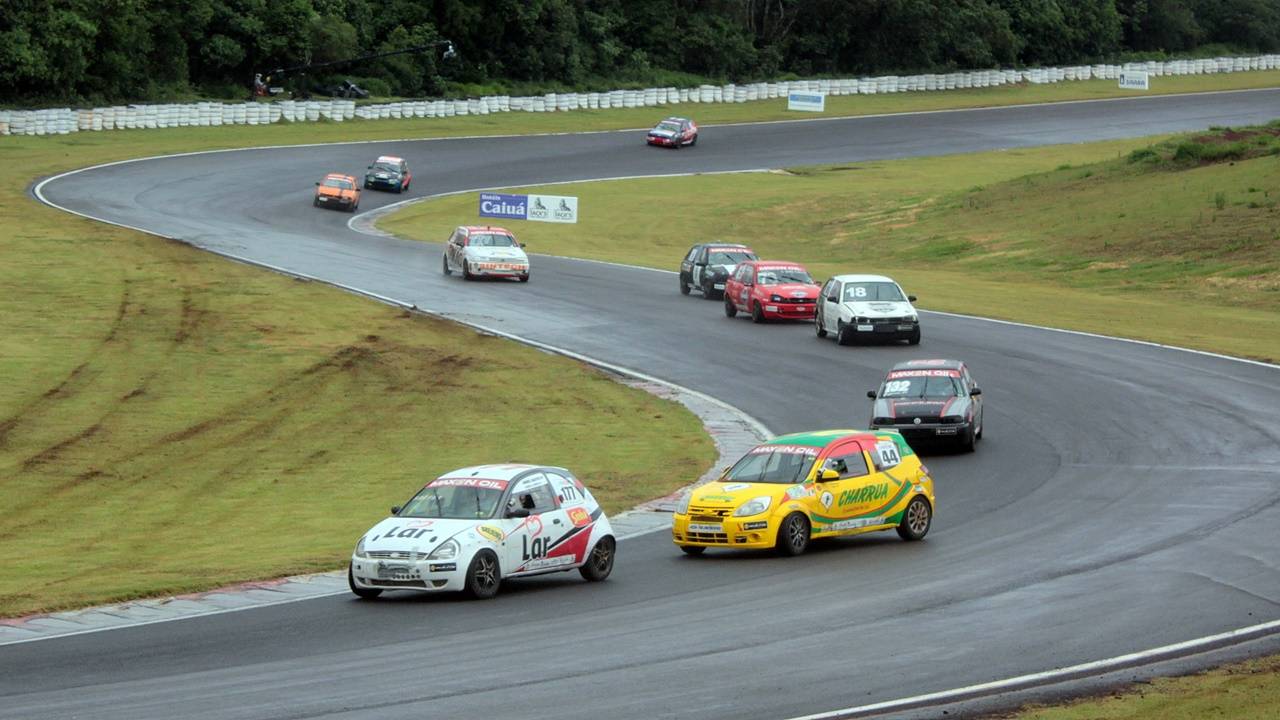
<point x="395" y="509"/>
<point x="871" y="394"/>
<point x="522" y="245"/>
<point x="827" y="475"/>
<point x="833" y="298"/>
<point x="317" y="184"/>
<point x="518" y="513"/>
<point x="369" y="167"/>
<point x="911" y="298"/>
<point x="976" y="391"/>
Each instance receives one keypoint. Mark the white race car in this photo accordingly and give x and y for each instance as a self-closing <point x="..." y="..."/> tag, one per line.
<point x="477" y="251"/>
<point x="854" y="307"/>
<point x="470" y="529"/>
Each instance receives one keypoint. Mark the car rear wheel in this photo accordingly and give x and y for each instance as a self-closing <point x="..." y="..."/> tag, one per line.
<point x="817" y="326"/>
<point x="483" y="577"/>
<point x="757" y="313"/>
<point x="916" y="520"/>
<point x="444" y="265"/>
<point x="692" y="550"/>
<point x="793" y="535"/>
<point x="600" y="562"/>
<point x="362" y="593"/>
<point x="730" y="310"/>
<point x="684" y="286"/>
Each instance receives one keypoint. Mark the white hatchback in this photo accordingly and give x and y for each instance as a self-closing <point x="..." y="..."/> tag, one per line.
<point x="470" y="529"/>
<point x="486" y="251"/>
<point x="854" y="307"/>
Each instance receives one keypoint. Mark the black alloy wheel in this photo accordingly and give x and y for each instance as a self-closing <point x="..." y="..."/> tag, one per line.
<point x="483" y="577"/>
<point x="600" y="562"/>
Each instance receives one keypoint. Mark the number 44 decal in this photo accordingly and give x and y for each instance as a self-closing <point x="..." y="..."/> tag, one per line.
<point x="887" y="454"/>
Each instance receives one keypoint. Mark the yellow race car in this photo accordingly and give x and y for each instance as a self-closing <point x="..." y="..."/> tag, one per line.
<point x="810" y="485"/>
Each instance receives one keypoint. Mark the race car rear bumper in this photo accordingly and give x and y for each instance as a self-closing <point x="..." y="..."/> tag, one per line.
<point x="422" y="575"/>
<point x="748" y="533"/>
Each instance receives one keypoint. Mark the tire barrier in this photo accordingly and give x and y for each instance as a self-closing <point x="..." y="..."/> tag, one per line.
<point x="62" y="121"/>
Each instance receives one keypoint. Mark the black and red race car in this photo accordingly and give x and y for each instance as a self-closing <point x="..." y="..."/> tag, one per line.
<point x="674" y="132"/>
<point x="927" y="400"/>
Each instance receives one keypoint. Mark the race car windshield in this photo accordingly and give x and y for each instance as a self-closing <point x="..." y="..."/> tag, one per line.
<point x="385" y="167"/>
<point x="453" y="502"/>
<point x="921" y="387"/>
<point x="872" y="292"/>
<point x="783" y="276"/>
<point x="336" y="183"/>
<point x="762" y="466"/>
<point x="728" y="257"/>
<point x="492" y="241"/>
<point x="669" y="126"/>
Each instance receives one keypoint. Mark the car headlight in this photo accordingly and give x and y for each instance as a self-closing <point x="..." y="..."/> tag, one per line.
<point x="682" y="507"/>
<point x="953" y="419"/>
<point x="360" y="550"/>
<point x="775" y="298"/>
<point x="915" y="319"/>
<point x="446" y="551"/>
<point x="754" y="506"/>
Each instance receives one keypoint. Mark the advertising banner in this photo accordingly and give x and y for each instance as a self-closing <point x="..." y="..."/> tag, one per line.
<point x="1134" y="80"/>
<point x="539" y="208"/>
<point x="807" y="101"/>
<point x="500" y="205"/>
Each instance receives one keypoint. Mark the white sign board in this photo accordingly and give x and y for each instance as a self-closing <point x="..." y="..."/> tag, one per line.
<point x="807" y="101"/>
<point x="1134" y="80"/>
<point x="552" y="208"/>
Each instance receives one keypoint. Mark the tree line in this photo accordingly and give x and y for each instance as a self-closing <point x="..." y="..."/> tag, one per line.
<point x="123" y="50"/>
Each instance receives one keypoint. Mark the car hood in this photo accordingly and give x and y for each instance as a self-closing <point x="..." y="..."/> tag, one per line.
<point x="880" y="309"/>
<point x="907" y="409"/>
<point x="337" y="192"/>
<point x="792" y="290"/>
<point x="497" y="253"/>
<point x="662" y="133"/>
<point x="422" y="534"/>
<point x="721" y="495"/>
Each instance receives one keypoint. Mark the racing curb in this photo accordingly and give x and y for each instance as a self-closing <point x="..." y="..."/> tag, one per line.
<point x="732" y="431"/>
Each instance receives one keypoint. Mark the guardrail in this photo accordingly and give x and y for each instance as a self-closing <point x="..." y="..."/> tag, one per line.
<point x="203" y="114"/>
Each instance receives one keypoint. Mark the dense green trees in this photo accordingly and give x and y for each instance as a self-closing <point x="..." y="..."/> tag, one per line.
<point x="113" y="50"/>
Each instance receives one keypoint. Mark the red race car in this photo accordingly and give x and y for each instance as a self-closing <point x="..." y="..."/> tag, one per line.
<point x="674" y="132"/>
<point x="770" y="289"/>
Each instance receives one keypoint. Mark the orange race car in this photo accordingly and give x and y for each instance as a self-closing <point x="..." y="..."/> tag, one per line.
<point x="338" y="190"/>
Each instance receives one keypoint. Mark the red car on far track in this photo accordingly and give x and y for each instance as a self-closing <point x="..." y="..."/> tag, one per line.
<point x="769" y="290"/>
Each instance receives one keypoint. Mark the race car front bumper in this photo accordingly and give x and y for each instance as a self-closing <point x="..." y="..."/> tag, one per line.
<point x="790" y="311"/>
<point x="880" y="329"/>
<point x="749" y="532"/>
<point x="381" y="184"/>
<point x="928" y="431"/>
<point x="420" y="575"/>
<point x="664" y="141"/>
<point x="499" y="269"/>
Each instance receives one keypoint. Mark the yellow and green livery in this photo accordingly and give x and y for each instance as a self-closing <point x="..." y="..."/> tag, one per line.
<point x="827" y="483"/>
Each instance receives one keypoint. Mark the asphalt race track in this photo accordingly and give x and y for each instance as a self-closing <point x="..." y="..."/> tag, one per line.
<point x="1125" y="497"/>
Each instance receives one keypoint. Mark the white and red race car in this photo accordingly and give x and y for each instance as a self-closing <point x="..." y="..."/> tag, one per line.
<point x="470" y="529"/>
<point x="674" y="132"/>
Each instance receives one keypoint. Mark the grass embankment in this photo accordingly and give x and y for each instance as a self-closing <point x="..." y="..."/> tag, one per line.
<point x="1177" y="243"/>
<point x="1241" y="691"/>
<point x="172" y="422"/>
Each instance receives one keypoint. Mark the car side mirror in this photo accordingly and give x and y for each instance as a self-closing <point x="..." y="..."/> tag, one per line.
<point x="522" y="244"/>
<point x="911" y="298"/>
<point x="833" y="298"/>
<point x="369" y="167"/>
<point x="976" y="391"/>
<point x="827" y="475"/>
<point x="871" y="394"/>
<point x="518" y="513"/>
<point x="317" y="184"/>
<point x="395" y="509"/>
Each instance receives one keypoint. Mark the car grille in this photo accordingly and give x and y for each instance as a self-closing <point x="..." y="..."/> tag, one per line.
<point x="395" y="555"/>
<point x="707" y="537"/>
<point x="396" y="583"/>
<point x="798" y="301"/>
<point x="709" y="514"/>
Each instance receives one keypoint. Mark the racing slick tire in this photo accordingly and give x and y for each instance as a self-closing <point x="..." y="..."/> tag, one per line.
<point x="916" y="520"/>
<point x="844" y="336"/>
<point x="915" y="338"/>
<point x="444" y="266"/>
<point x="483" y="577"/>
<point x="730" y="310"/>
<point x="466" y="271"/>
<point x="757" y="313"/>
<point x="684" y="287"/>
<point x="362" y="593"/>
<point x="793" y="535"/>
<point x="599" y="561"/>
<point x="692" y="550"/>
<point x="817" y="326"/>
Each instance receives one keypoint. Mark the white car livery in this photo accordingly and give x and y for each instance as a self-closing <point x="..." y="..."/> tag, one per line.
<point x="470" y="529"/>
<point x="866" y="306"/>
<point x="484" y="251"/>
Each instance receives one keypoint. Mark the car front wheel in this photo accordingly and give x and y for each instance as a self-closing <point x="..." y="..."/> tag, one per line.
<point x="757" y="313"/>
<point x="466" y="271"/>
<point x="684" y="286"/>
<point x="483" y="576"/>
<point x="730" y="310"/>
<point x="362" y="593"/>
<point x="600" y="562"/>
<point x="444" y="266"/>
<point x="916" y="520"/>
<point x="817" y="326"/>
<point x="844" y="336"/>
<point x="793" y="535"/>
<point x="915" y="338"/>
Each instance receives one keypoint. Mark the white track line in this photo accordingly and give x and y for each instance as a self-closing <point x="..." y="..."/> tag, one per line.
<point x="1048" y="677"/>
<point x="1092" y="668"/>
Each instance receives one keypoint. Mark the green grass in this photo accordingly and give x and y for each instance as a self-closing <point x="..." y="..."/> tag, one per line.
<point x="173" y="422"/>
<point x="1159" y="247"/>
<point x="1241" y="691"/>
